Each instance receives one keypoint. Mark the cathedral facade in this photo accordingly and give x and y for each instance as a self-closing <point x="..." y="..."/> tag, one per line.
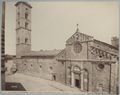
<point x="85" y="63"/>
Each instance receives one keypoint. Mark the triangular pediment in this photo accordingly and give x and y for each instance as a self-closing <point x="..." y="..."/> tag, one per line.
<point x="62" y="54"/>
<point x="77" y="36"/>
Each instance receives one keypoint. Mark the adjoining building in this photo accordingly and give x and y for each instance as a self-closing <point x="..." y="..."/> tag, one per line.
<point x="86" y="63"/>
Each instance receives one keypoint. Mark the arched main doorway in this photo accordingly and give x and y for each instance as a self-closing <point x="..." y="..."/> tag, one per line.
<point x="76" y="77"/>
<point x="80" y="78"/>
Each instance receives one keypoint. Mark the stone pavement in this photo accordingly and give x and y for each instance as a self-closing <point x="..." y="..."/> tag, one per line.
<point x="23" y="82"/>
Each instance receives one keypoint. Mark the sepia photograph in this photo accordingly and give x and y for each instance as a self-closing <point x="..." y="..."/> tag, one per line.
<point x="60" y="46"/>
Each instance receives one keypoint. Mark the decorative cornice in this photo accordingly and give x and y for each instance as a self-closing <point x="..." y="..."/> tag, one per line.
<point x="23" y="28"/>
<point x="25" y="3"/>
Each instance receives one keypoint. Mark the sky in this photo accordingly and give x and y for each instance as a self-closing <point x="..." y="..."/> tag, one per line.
<point x="54" y="22"/>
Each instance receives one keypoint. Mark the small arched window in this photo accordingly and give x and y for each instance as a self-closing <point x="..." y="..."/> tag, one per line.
<point x="18" y="24"/>
<point x="40" y="66"/>
<point x="51" y="67"/>
<point x="26" y="15"/>
<point x="26" y="25"/>
<point x="26" y="40"/>
<point x="54" y="77"/>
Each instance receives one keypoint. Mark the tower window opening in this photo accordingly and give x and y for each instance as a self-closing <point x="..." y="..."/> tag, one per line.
<point x="26" y="25"/>
<point x="26" y="15"/>
<point x="26" y="40"/>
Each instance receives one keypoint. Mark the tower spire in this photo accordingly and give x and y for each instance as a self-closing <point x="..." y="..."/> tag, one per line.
<point x="77" y="30"/>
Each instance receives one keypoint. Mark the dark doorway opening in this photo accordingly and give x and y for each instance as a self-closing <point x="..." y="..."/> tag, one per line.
<point x="54" y="77"/>
<point x="77" y="83"/>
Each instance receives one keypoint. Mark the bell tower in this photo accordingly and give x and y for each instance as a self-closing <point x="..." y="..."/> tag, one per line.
<point x="23" y="28"/>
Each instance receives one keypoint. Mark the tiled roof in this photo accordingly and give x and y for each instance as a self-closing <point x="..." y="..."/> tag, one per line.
<point x="43" y="53"/>
<point x="109" y="45"/>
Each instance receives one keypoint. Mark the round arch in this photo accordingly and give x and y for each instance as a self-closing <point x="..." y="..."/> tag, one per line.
<point x="76" y="68"/>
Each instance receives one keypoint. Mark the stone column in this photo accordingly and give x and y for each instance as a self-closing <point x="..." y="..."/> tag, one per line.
<point x="72" y="78"/>
<point x="82" y="80"/>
